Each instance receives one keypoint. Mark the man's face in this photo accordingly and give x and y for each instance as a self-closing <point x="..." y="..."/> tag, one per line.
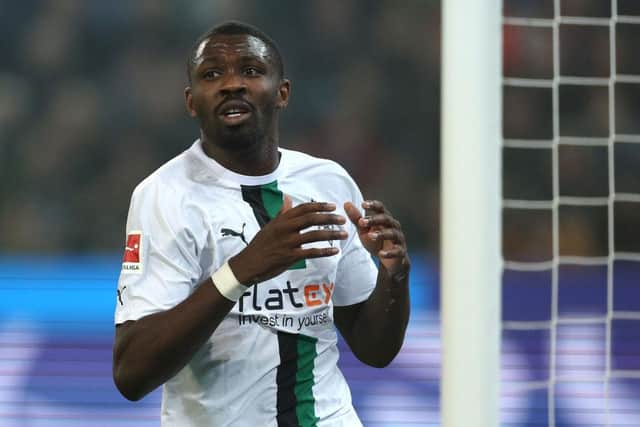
<point x="235" y="90"/>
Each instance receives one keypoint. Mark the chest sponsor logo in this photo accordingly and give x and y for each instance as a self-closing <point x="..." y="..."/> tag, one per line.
<point x="314" y="295"/>
<point x="131" y="260"/>
<point x="311" y="295"/>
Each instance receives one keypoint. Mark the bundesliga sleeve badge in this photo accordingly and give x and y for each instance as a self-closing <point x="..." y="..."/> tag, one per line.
<point x="132" y="259"/>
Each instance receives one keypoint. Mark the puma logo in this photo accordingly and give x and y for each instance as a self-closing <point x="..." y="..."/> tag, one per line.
<point x="230" y="232"/>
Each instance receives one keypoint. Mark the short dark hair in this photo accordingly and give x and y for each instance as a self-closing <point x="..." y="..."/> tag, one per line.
<point x="237" y="28"/>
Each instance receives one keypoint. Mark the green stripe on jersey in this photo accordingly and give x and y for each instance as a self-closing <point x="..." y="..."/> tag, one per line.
<point x="272" y="198"/>
<point x="305" y="403"/>
<point x="295" y="403"/>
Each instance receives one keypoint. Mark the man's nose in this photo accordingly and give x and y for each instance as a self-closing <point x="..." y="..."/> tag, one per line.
<point x="232" y="83"/>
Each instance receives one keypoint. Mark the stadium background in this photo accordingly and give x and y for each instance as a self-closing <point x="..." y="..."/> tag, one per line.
<point x="91" y="101"/>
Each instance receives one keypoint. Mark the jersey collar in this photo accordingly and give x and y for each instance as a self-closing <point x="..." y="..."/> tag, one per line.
<point x="213" y="169"/>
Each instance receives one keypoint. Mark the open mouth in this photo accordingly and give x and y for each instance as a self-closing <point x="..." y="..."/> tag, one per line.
<point x="234" y="112"/>
<point x="235" y="117"/>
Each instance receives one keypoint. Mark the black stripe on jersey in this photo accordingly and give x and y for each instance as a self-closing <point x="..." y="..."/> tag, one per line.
<point x="252" y="194"/>
<point x="286" y="380"/>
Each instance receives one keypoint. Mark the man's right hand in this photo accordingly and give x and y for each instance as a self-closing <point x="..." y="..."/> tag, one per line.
<point x="278" y="245"/>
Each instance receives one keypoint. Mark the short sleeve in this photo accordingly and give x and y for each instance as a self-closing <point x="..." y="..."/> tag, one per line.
<point x="160" y="265"/>
<point x="357" y="273"/>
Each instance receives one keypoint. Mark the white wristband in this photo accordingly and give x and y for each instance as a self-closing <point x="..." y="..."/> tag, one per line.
<point x="227" y="283"/>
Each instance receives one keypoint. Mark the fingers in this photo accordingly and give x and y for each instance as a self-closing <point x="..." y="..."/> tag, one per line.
<point x="316" y="252"/>
<point x="380" y="220"/>
<point x="377" y="216"/>
<point x="310" y="207"/>
<point x="373" y="206"/>
<point x="395" y="252"/>
<point x="382" y="234"/>
<point x="312" y="213"/>
<point x="352" y="212"/>
<point x="388" y="234"/>
<point x="321" y="235"/>
<point x="281" y="242"/>
<point x="318" y="219"/>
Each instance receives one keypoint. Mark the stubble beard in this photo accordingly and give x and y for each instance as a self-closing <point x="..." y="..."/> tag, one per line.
<point x="238" y="138"/>
<point x="244" y="137"/>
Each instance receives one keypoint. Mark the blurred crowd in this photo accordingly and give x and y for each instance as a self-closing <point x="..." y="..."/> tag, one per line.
<point x="91" y="102"/>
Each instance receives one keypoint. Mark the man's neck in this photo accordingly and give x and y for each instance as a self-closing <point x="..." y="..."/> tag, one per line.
<point x="259" y="159"/>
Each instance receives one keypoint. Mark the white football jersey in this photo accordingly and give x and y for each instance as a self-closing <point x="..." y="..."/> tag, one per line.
<point x="273" y="359"/>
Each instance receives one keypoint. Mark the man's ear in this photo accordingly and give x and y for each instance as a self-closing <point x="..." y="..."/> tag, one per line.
<point x="283" y="93"/>
<point x="188" y="101"/>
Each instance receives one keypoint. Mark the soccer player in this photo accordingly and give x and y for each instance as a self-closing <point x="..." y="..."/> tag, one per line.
<point x="241" y="256"/>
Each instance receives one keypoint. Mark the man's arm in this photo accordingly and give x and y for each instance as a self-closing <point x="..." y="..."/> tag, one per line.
<point x="151" y="350"/>
<point x="375" y="328"/>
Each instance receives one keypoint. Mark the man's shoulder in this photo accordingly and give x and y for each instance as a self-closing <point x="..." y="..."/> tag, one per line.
<point x="321" y="173"/>
<point x="300" y="161"/>
<point x="172" y="174"/>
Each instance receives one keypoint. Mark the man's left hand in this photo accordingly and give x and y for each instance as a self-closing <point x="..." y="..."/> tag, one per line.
<point x="381" y="234"/>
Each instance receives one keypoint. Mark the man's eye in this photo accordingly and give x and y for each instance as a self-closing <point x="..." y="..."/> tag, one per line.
<point x="210" y="74"/>
<point x="252" y="71"/>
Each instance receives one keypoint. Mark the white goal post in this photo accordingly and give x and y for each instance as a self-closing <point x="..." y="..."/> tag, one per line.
<point x="471" y="211"/>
